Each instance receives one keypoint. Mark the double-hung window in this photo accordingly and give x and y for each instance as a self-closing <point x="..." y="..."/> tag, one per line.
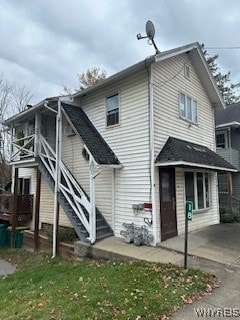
<point x="188" y="108"/>
<point x="24" y="186"/>
<point x="222" y="140"/>
<point x="197" y="189"/>
<point x="112" y="110"/>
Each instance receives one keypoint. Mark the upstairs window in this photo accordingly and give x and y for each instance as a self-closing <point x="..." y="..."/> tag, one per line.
<point x="188" y="108"/>
<point x="187" y="71"/>
<point x="221" y="140"/>
<point x="112" y="110"/>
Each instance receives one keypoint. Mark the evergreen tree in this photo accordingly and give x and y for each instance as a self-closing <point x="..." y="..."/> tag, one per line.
<point x="229" y="91"/>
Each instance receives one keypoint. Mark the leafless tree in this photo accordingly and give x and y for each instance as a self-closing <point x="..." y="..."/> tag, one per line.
<point x="91" y="77"/>
<point x="21" y="97"/>
<point x="13" y="99"/>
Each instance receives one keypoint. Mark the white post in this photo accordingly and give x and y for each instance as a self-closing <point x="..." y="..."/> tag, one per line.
<point x="57" y="175"/>
<point x="92" y="215"/>
<point x="37" y="134"/>
<point x="11" y="142"/>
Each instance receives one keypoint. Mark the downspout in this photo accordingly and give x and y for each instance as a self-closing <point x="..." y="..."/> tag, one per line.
<point x="229" y="174"/>
<point x="113" y="197"/>
<point x="152" y="153"/>
<point x="230" y="144"/>
<point x="57" y="175"/>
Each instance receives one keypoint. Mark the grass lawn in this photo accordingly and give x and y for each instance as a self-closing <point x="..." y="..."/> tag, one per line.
<point x="44" y="288"/>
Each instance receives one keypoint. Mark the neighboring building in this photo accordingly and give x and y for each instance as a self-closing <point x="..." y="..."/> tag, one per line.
<point x="228" y="146"/>
<point x="135" y="146"/>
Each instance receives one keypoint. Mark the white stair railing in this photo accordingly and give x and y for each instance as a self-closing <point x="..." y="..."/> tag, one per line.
<point x="70" y="189"/>
<point x="22" y="148"/>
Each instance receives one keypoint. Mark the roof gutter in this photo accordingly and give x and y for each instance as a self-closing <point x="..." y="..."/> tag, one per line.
<point x="176" y="52"/>
<point x="114" y="77"/>
<point x="190" y="164"/>
<point x="229" y="124"/>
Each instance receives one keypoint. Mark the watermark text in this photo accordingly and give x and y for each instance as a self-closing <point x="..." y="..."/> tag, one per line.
<point x="217" y="312"/>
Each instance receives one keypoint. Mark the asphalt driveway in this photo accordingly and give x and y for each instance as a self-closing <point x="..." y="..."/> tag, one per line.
<point x="6" y="268"/>
<point x="219" y="243"/>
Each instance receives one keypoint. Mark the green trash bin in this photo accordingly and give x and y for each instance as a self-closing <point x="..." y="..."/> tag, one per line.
<point x="19" y="236"/>
<point x="3" y="235"/>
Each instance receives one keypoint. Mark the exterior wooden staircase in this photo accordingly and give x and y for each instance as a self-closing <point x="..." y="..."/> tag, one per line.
<point x="71" y="196"/>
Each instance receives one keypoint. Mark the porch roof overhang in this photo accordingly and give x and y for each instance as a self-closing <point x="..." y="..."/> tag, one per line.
<point x="233" y="124"/>
<point x="182" y="153"/>
<point x="30" y="112"/>
<point x="94" y="142"/>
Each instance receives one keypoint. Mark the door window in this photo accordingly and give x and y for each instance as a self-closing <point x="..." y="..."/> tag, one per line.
<point x="166" y="187"/>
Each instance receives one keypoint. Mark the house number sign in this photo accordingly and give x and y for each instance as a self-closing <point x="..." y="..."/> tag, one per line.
<point x="189" y="210"/>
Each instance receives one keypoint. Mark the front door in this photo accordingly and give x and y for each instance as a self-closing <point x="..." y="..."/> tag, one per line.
<point x="168" y="203"/>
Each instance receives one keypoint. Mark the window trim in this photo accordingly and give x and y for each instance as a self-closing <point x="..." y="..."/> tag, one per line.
<point x="180" y="105"/>
<point x="225" y="133"/>
<point x="21" y="185"/>
<point x="187" y="71"/>
<point x="106" y="111"/>
<point x="196" y="201"/>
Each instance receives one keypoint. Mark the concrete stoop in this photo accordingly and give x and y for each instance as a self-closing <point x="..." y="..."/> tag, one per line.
<point x="84" y="250"/>
<point x="114" y="248"/>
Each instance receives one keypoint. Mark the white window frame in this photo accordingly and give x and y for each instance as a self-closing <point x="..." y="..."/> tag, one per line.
<point x="108" y="111"/>
<point x="188" y="108"/>
<point x="21" y="185"/>
<point x="196" y="200"/>
<point x="187" y="71"/>
<point x="225" y="138"/>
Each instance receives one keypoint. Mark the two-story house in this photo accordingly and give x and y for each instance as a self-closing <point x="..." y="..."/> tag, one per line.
<point x="131" y="149"/>
<point x="228" y="146"/>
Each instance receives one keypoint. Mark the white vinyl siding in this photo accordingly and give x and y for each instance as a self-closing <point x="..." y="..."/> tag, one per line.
<point x="47" y="207"/>
<point x="166" y="106"/>
<point x="130" y="142"/>
<point x="168" y="83"/>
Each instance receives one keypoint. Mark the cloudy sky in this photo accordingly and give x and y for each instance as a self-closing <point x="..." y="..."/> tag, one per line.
<point x="44" y="44"/>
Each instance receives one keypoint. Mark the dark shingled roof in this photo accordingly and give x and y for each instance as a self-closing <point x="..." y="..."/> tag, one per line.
<point x="176" y="150"/>
<point x="98" y="147"/>
<point x="228" y="115"/>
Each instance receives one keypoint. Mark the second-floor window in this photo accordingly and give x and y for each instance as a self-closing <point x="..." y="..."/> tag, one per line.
<point x="112" y="110"/>
<point x="221" y="140"/>
<point x="188" y="108"/>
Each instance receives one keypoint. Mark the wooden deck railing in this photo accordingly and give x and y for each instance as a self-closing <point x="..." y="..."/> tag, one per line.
<point x="24" y="207"/>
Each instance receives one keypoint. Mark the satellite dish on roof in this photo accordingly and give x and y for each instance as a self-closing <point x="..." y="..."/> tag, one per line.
<point x="150" y="31"/>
